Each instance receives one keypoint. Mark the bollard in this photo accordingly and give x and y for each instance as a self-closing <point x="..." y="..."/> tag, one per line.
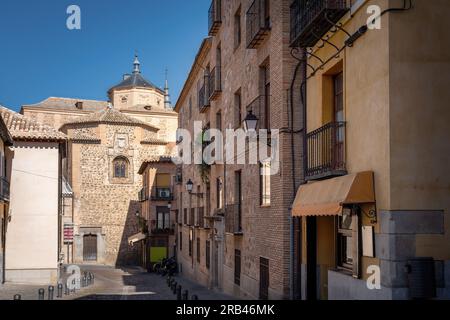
<point x="194" y="297"/>
<point x="41" y="294"/>
<point x="17" y="297"/>
<point x="179" y="292"/>
<point x="185" y="295"/>
<point x="60" y="290"/>
<point x="66" y="291"/>
<point x="51" y="290"/>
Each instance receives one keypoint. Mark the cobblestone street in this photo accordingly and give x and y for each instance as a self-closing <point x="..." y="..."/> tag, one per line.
<point x="117" y="284"/>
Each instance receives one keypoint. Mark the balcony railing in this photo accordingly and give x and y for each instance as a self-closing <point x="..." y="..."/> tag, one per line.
<point x="163" y="227"/>
<point x="215" y="83"/>
<point x="4" y="189"/>
<point x="312" y="19"/>
<point x="203" y="96"/>
<point x="258" y="23"/>
<point x="259" y="109"/>
<point x="233" y="219"/>
<point x="141" y="195"/>
<point x="214" y="17"/>
<point x="162" y="194"/>
<point x="326" y="152"/>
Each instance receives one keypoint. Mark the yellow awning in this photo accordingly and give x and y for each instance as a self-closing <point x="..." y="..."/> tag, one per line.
<point x="136" y="238"/>
<point x="327" y="197"/>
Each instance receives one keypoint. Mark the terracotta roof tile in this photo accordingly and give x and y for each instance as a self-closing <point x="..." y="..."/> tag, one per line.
<point x="24" y="128"/>
<point x="69" y="104"/>
<point x="110" y="116"/>
<point x="154" y="141"/>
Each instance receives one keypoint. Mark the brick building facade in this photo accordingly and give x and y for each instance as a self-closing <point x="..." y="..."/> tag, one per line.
<point x="234" y="231"/>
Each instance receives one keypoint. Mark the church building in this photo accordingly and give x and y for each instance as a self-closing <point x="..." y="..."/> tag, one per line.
<point x="107" y="143"/>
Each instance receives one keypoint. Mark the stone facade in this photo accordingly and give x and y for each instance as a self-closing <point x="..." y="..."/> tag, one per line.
<point x="102" y="201"/>
<point x="245" y="73"/>
<point x="103" y="206"/>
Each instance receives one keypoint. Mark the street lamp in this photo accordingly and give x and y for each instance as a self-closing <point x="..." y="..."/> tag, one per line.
<point x="250" y="121"/>
<point x="137" y="213"/>
<point x="189" y="186"/>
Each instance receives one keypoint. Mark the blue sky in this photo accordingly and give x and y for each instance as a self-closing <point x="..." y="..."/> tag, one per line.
<point x="40" y="57"/>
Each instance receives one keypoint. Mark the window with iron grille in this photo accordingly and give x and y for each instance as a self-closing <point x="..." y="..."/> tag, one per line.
<point x="180" y="241"/>
<point x="120" y="167"/>
<point x="237" y="267"/>
<point x="185" y="216"/>
<point x="208" y="254"/>
<point x="198" y="250"/>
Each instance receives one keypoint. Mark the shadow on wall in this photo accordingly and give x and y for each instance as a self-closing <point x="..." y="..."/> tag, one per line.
<point x="129" y="255"/>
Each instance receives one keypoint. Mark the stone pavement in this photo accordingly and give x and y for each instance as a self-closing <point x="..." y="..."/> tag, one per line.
<point x="117" y="284"/>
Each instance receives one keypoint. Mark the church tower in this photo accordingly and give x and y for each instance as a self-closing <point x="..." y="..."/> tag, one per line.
<point x="137" y="93"/>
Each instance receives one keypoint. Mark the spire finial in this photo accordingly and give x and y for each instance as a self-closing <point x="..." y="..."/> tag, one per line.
<point x="167" y="103"/>
<point x="137" y="64"/>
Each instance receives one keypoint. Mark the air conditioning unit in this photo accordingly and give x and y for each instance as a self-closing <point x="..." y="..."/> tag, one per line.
<point x="164" y="193"/>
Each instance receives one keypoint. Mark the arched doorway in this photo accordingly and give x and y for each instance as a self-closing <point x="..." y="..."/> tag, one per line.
<point x="90" y="247"/>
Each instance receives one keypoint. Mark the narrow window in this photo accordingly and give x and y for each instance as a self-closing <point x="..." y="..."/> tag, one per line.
<point x="208" y="254"/>
<point x="265" y="183"/>
<point x="266" y="94"/>
<point x="191" y="239"/>
<point x="120" y="168"/>
<point x="181" y="241"/>
<point x="219" y="193"/>
<point x="237" y="109"/>
<point x="198" y="250"/>
<point x="237" y="29"/>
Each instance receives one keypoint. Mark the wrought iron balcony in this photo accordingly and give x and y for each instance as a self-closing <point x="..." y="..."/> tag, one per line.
<point x="162" y="227"/>
<point x="162" y="194"/>
<point x="215" y="83"/>
<point x="214" y="17"/>
<point x="326" y="152"/>
<point x="233" y="219"/>
<point x="258" y="23"/>
<point x="4" y="189"/>
<point x="312" y="19"/>
<point x="259" y="107"/>
<point x="203" y="96"/>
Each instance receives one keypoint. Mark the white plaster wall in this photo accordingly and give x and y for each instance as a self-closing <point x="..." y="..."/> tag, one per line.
<point x="32" y="238"/>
